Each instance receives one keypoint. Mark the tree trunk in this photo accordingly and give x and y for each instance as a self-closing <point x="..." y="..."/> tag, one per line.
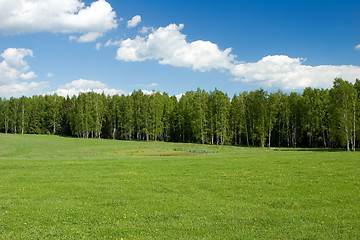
<point x="347" y="134"/>
<point x="23" y="119"/>
<point x="270" y="126"/>
<point x="293" y="132"/>
<point x="54" y="127"/>
<point x="247" y="133"/>
<point x="252" y="132"/>
<point x="201" y="129"/>
<point x="354" y="128"/>
<point x="294" y="137"/>
<point x="269" y="138"/>
<point x="239" y="133"/>
<point x="263" y="133"/>
<point x="279" y="133"/>
<point x="54" y="130"/>
<point x="114" y="131"/>
<point x="6" y="123"/>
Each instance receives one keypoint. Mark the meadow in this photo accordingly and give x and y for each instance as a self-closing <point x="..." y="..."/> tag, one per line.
<point x="54" y="187"/>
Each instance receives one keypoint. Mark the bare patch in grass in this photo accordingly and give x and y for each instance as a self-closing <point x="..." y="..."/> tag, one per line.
<point x="163" y="152"/>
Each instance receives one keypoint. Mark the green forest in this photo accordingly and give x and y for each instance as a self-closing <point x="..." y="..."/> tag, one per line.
<point x="314" y="118"/>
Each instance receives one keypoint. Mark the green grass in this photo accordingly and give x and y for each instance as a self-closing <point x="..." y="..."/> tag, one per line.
<point x="64" y="188"/>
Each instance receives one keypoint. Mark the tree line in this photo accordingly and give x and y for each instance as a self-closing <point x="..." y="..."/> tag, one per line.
<point x="315" y="118"/>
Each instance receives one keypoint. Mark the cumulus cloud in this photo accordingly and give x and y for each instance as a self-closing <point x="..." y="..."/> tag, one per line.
<point x="287" y="73"/>
<point x="14" y="67"/>
<point x="134" y="21"/>
<point x="18" y="89"/>
<point x="67" y="16"/>
<point x="15" y="71"/>
<point x="83" y="86"/>
<point x="169" y="46"/>
<point x="357" y="47"/>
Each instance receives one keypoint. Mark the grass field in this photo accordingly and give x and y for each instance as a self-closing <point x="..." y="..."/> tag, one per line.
<point x="65" y="188"/>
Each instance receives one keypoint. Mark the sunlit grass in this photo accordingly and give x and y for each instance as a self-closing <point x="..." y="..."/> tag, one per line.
<point x="66" y="188"/>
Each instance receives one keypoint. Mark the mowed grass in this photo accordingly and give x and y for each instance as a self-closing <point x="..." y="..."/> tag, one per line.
<point x="65" y="188"/>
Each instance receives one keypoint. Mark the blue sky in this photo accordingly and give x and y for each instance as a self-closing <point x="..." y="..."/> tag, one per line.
<point x="68" y="46"/>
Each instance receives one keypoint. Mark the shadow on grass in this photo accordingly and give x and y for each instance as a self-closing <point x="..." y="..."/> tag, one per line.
<point x="189" y="151"/>
<point x="309" y="149"/>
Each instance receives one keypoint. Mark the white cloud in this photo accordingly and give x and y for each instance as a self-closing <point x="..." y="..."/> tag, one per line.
<point x="169" y="46"/>
<point x="179" y="96"/>
<point x="14" y="67"/>
<point x="66" y="16"/>
<point x="134" y="21"/>
<point x="146" y="92"/>
<point x="145" y="30"/>
<point x="85" y="84"/>
<point x="82" y="86"/>
<point x="18" y="89"/>
<point x="49" y="75"/>
<point x="357" y="47"/>
<point x="283" y="72"/>
<point x="89" y="37"/>
<point x="28" y="75"/>
<point x="13" y="70"/>
<point x="145" y="85"/>
<point x="112" y="43"/>
<point x="72" y="37"/>
<point x="98" y="46"/>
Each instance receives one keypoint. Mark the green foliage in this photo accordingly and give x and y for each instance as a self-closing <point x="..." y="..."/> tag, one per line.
<point x="315" y="118"/>
<point x="343" y="112"/>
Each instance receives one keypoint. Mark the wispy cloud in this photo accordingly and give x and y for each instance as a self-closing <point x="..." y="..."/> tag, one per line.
<point x="49" y="75"/>
<point x="110" y="42"/>
<point x="145" y="30"/>
<point x="145" y="85"/>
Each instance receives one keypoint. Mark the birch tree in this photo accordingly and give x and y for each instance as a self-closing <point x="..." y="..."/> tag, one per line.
<point x="343" y="113"/>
